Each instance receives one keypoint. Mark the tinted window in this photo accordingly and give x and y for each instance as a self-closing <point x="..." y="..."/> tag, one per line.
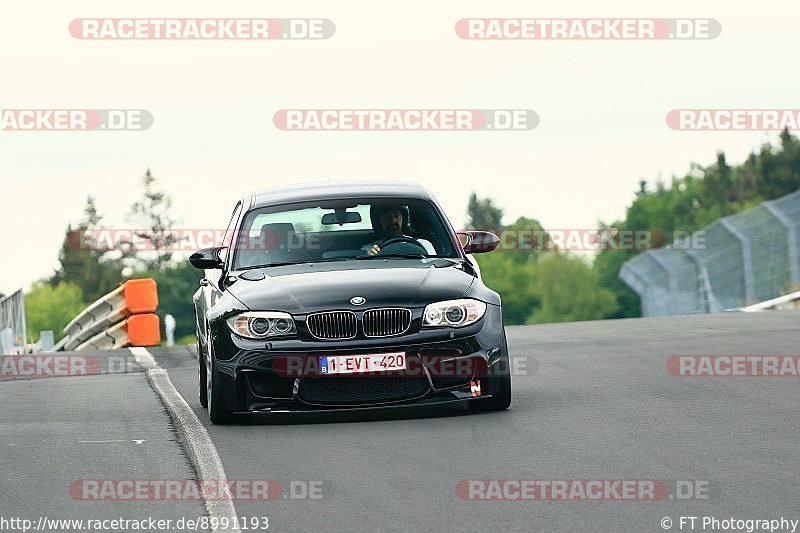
<point x="340" y="229"/>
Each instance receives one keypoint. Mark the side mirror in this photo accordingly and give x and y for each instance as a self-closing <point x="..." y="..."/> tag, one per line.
<point x="477" y="242"/>
<point x="207" y="258"/>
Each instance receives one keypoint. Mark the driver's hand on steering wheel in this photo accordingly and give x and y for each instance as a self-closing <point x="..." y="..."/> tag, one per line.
<point x="375" y="250"/>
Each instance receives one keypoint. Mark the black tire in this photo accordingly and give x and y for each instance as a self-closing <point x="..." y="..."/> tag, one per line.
<point x="203" y="373"/>
<point x="501" y="400"/>
<point x="216" y="400"/>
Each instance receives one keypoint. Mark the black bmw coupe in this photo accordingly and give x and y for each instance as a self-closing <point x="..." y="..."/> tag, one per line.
<point x="346" y="296"/>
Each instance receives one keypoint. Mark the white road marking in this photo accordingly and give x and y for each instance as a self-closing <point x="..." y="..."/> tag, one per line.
<point x="144" y="358"/>
<point x="193" y="435"/>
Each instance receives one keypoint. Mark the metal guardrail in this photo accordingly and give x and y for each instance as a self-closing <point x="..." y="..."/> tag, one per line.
<point x="124" y="317"/>
<point x="13" y="334"/>
<point x="789" y="301"/>
<point x="739" y="260"/>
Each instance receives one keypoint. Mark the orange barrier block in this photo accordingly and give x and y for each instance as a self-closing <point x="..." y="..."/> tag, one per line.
<point x="144" y="330"/>
<point x="141" y="295"/>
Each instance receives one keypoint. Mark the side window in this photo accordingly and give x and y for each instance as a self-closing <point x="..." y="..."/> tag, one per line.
<point x="227" y="237"/>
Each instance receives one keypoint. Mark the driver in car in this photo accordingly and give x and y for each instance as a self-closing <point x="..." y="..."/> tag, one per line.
<point x="388" y="223"/>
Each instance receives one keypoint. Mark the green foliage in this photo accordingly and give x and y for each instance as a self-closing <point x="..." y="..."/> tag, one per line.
<point x="513" y="281"/>
<point x="510" y="270"/>
<point x="525" y="241"/>
<point x="568" y="290"/>
<point x="523" y="270"/>
<point x="775" y="171"/>
<point x="51" y="307"/>
<point x="557" y="287"/>
<point x="606" y="266"/>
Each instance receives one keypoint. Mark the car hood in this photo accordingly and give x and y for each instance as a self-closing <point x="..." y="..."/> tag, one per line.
<point x="307" y="288"/>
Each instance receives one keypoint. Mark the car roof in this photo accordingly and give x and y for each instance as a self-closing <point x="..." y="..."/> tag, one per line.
<point x="335" y="189"/>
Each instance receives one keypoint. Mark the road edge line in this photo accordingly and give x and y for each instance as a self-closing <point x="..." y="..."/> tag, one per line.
<point x="194" y="438"/>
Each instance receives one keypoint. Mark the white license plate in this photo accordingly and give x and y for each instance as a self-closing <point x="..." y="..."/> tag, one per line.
<point x="356" y="364"/>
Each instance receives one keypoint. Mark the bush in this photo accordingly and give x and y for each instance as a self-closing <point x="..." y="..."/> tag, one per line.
<point x="569" y="290"/>
<point x="49" y="307"/>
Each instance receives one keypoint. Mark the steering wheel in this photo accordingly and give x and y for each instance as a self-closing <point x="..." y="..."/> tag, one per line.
<point x="398" y="240"/>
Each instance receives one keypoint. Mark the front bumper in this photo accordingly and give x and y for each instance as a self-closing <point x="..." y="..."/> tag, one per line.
<point x="447" y="365"/>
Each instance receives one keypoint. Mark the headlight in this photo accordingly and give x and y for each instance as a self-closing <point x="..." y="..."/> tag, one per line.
<point x="262" y="324"/>
<point x="453" y="313"/>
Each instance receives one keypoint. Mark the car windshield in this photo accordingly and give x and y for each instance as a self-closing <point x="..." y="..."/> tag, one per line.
<point x="340" y="230"/>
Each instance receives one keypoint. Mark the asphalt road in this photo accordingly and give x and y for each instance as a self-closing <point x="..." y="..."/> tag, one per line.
<point x="592" y="401"/>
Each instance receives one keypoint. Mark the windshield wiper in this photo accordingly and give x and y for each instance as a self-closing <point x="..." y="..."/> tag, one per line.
<point x="308" y="261"/>
<point x="394" y="256"/>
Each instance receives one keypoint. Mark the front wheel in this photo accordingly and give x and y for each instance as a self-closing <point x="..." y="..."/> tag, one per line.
<point x="216" y="401"/>
<point x="502" y="398"/>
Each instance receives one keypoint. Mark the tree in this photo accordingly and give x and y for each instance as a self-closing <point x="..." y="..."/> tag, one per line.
<point x="778" y="170"/>
<point x="718" y="183"/>
<point x="568" y="290"/>
<point x="527" y="239"/>
<point x="483" y="214"/>
<point x="153" y="210"/>
<point x="51" y="307"/>
<point x="509" y="269"/>
<point x="82" y="263"/>
<point x="606" y="267"/>
<point x="557" y="287"/>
